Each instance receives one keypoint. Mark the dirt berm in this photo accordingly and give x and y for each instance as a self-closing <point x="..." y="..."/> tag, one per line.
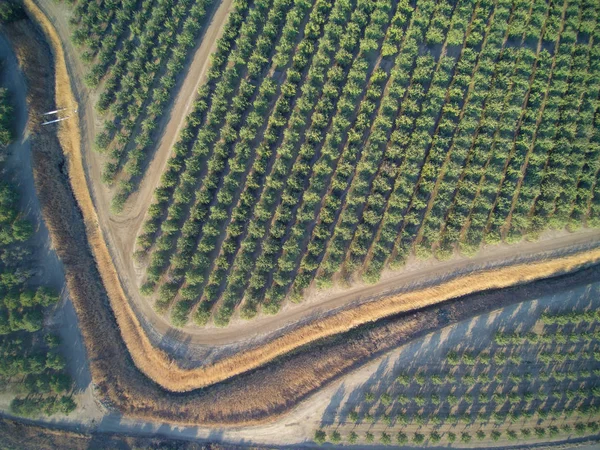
<point x="164" y="370"/>
<point x="140" y="381"/>
<point x="19" y="435"/>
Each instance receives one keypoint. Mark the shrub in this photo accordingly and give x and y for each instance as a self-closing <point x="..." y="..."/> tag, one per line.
<point x="401" y="438"/>
<point x="451" y="437"/>
<point x="418" y="438"/>
<point x="495" y="435"/>
<point x="369" y="437"/>
<point x="320" y="437"/>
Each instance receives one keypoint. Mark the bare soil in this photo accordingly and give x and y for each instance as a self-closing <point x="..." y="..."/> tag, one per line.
<point x="252" y="398"/>
<point x="192" y="343"/>
<point x="322" y="409"/>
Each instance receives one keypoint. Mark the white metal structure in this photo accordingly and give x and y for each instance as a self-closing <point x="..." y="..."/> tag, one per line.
<point x="56" y="120"/>
<point x="56" y="111"/>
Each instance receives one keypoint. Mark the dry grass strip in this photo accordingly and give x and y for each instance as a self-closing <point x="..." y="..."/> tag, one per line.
<point x="255" y="397"/>
<point x="163" y="370"/>
<point x="25" y="435"/>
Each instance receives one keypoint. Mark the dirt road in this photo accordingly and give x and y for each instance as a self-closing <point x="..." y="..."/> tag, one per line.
<point x="120" y="231"/>
<point x="325" y="407"/>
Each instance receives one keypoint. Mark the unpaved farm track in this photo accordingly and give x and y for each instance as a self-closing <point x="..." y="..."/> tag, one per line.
<point x="259" y="395"/>
<point x="120" y="231"/>
<point x="161" y="368"/>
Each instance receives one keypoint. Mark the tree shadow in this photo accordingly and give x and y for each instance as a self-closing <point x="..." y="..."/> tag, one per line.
<point x="331" y="411"/>
<point x="427" y="356"/>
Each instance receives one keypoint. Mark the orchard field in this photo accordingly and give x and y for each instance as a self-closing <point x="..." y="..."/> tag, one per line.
<point x="535" y="380"/>
<point x="335" y="138"/>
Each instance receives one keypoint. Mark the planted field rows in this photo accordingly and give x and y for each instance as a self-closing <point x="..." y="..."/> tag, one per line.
<point x="335" y="138"/>
<point x="540" y="383"/>
<point x="135" y="51"/>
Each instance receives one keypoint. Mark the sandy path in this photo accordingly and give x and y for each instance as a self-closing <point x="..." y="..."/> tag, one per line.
<point x="321" y="409"/>
<point x="120" y="232"/>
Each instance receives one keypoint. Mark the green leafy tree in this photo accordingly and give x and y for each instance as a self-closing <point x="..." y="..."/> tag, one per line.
<point x="386" y="399"/>
<point x="352" y="437"/>
<point x="335" y="437"/>
<point x="320" y="437"/>
<point x="401" y="438"/>
<point x="418" y="438"/>
<point x="403" y="379"/>
<point x="385" y="439"/>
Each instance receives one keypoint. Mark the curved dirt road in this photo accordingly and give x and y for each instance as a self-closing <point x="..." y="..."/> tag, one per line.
<point x="120" y="231"/>
<point x="296" y="428"/>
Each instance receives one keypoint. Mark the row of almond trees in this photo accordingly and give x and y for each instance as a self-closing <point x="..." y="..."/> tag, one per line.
<point x="136" y="50"/>
<point x="538" y="383"/>
<point x="334" y="139"/>
<point x="357" y="71"/>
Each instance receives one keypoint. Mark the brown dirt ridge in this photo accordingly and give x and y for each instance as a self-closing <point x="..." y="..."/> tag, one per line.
<point x="120" y="231"/>
<point x="120" y="353"/>
<point x="160" y="367"/>
<point x="255" y="397"/>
